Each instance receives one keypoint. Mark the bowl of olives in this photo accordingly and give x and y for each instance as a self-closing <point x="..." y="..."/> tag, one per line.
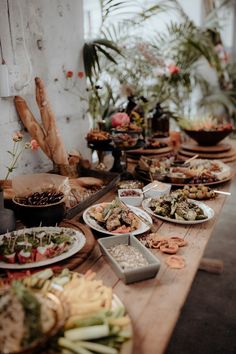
<point x="45" y="208"/>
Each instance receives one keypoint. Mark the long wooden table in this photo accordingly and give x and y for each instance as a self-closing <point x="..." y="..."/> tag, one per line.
<point x="154" y="305"/>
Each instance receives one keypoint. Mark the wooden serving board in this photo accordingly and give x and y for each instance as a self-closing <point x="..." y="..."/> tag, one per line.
<point x="222" y="147"/>
<point x="219" y="155"/>
<point x="150" y="151"/>
<point x="226" y="160"/>
<point x="82" y="255"/>
<point x="71" y="262"/>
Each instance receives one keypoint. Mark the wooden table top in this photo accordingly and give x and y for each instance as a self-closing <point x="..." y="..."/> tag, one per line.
<point x="154" y="305"/>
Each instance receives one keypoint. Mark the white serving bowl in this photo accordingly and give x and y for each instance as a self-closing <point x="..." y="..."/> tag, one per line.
<point x="134" y="200"/>
<point x="157" y="191"/>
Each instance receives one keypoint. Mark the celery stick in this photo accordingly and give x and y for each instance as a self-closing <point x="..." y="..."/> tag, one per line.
<point x="126" y="333"/>
<point x="85" y="333"/>
<point x="98" y="348"/>
<point x="118" y="312"/>
<point x="86" y="322"/>
<point x="63" y="342"/>
<point x="44" y="274"/>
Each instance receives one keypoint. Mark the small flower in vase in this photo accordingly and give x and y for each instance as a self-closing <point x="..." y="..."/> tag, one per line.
<point x="17" y="150"/>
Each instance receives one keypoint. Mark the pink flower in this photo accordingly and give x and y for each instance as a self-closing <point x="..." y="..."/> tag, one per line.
<point x="18" y="136"/>
<point x="120" y="119"/>
<point x="34" y="144"/>
<point x="80" y="74"/>
<point x="173" y="69"/>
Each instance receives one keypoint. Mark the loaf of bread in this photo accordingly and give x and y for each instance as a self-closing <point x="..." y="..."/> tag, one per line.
<point x="32" y="125"/>
<point x="46" y="135"/>
<point x="53" y="138"/>
<point x="89" y="182"/>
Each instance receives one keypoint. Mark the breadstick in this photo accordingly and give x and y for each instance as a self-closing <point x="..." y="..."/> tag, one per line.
<point x="31" y="124"/>
<point x="53" y="137"/>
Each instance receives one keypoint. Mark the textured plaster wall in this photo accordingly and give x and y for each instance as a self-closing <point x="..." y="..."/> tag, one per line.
<point x="54" y="38"/>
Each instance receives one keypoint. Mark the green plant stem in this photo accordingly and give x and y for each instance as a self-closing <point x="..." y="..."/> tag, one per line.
<point x="15" y="158"/>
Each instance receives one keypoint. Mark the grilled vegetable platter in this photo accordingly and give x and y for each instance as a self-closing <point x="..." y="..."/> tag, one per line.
<point x="176" y="207"/>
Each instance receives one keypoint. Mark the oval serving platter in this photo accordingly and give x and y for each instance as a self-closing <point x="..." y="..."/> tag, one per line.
<point x="78" y="244"/>
<point x="209" y="212"/>
<point x="142" y="228"/>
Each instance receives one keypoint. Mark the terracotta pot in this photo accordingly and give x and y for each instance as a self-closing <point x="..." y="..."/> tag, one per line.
<point x="5" y="184"/>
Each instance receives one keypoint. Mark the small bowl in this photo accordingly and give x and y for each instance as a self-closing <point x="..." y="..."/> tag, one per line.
<point x="158" y="191"/>
<point x="134" y="200"/>
<point x="43" y="215"/>
<point x="131" y="275"/>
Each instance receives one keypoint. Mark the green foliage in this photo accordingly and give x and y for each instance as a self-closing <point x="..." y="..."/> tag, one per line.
<point x="123" y="57"/>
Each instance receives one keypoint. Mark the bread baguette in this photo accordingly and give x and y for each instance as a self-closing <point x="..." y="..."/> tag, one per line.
<point x="31" y="124"/>
<point x="52" y="138"/>
<point x="88" y="182"/>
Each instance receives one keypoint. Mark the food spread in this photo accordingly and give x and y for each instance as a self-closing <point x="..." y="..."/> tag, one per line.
<point x="196" y="172"/>
<point x="93" y="320"/>
<point x="41" y="198"/>
<point x="128" y="256"/>
<point x="35" y="245"/>
<point x="198" y="192"/>
<point x="176" y="206"/>
<point x="115" y="217"/>
<point x="129" y="193"/>
<point x="25" y="317"/>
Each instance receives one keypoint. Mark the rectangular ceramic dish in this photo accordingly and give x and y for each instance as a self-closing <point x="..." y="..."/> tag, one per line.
<point x="133" y="275"/>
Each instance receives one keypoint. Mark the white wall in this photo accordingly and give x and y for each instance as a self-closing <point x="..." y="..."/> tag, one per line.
<point x="57" y="26"/>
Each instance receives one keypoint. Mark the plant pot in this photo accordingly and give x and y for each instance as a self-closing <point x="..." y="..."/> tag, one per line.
<point x="208" y="138"/>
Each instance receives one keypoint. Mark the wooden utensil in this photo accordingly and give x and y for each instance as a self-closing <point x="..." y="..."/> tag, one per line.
<point x="148" y="189"/>
<point x="222" y="192"/>
<point x="125" y="206"/>
<point x="191" y="159"/>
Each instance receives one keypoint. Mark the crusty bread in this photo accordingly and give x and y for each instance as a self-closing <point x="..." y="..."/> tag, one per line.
<point x="89" y="182"/>
<point x="52" y="137"/>
<point x="31" y="124"/>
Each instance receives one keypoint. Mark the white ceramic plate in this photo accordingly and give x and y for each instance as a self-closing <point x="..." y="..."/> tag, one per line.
<point x="78" y="244"/>
<point x="94" y="225"/>
<point x="206" y="209"/>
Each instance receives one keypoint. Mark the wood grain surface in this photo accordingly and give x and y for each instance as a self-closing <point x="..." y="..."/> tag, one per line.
<point x="154" y="305"/>
<point x="221" y="147"/>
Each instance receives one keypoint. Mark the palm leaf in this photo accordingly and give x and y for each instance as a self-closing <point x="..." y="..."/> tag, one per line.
<point x="216" y="99"/>
<point x="107" y="55"/>
<point x="91" y="58"/>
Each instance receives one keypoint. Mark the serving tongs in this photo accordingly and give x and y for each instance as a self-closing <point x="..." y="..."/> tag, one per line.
<point x="141" y="218"/>
<point x="191" y="159"/>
